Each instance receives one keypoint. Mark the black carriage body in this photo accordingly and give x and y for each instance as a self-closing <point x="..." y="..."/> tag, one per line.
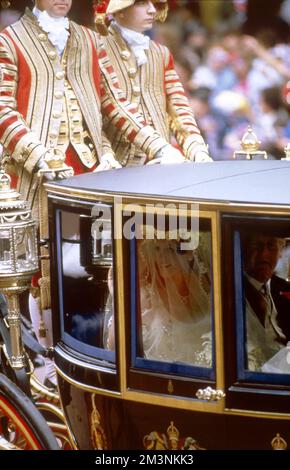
<point x="130" y="379"/>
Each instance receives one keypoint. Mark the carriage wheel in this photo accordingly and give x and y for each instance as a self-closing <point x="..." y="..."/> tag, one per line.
<point x="21" y="424"/>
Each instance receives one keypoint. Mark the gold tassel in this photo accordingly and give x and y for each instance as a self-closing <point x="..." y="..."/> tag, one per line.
<point x="45" y="300"/>
<point x="100" y="12"/>
<point x="35" y="292"/>
<point x="98" y="436"/>
<point x="44" y="281"/>
<point x="100" y="22"/>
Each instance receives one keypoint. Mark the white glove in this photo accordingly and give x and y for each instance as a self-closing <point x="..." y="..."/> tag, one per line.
<point x="108" y="162"/>
<point x="202" y="157"/>
<point x="169" y="154"/>
<point x="42" y="165"/>
<point x="61" y="175"/>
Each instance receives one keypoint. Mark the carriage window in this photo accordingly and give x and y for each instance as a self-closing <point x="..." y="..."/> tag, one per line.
<point x="265" y="287"/>
<point x="173" y="302"/>
<point x="86" y="283"/>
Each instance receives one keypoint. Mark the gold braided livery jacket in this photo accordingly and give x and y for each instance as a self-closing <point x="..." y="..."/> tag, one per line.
<point x="156" y="90"/>
<point x="32" y="96"/>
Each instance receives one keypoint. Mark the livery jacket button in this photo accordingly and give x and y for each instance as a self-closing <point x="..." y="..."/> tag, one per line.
<point x="56" y="115"/>
<point x="132" y="72"/>
<point x="53" y="135"/>
<point x="136" y="90"/>
<point x="59" y="75"/>
<point x="125" y="55"/>
<point x="42" y="37"/>
<point x="52" y="55"/>
<point x="58" y="95"/>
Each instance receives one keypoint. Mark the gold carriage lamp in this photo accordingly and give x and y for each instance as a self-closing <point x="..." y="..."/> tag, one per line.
<point x="250" y="147"/>
<point x="18" y="259"/>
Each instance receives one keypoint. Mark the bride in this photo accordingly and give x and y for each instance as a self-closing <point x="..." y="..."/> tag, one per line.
<point x="174" y="301"/>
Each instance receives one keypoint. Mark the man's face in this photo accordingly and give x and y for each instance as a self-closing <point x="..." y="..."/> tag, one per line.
<point x="55" y="8"/>
<point x="261" y="256"/>
<point x="138" y="17"/>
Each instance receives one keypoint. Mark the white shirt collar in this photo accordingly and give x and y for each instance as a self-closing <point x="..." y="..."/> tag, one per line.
<point x="57" y="28"/>
<point x="138" y="42"/>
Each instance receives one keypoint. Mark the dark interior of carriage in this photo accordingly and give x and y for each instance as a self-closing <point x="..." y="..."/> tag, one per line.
<point x="85" y="300"/>
<point x="255" y="383"/>
<point x="177" y="259"/>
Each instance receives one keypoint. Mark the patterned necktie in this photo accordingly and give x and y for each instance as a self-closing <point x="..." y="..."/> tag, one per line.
<point x="262" y="304"/>
<point x="266" y="304"/>
<point x="261" y="311"/>
<point x="271" y="309"/>
<point x="259" y="300"/>
<point x="263" y="289"/>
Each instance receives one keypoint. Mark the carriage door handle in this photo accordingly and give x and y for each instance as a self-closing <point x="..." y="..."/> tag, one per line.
<point x="209" y="394"/>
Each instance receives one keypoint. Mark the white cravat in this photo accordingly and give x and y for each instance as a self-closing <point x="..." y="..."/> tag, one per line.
<point x="57" y="28"/>
<point x="137" y="41"/>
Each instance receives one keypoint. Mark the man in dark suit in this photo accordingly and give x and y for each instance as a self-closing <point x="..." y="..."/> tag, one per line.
<point x="267" y="299"/>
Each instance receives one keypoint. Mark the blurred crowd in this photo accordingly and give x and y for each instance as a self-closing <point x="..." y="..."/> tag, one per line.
<point x="234" y="75"/>
<point x="232" y="78"/>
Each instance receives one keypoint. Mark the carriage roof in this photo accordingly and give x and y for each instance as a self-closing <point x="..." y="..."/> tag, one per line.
<point x="259" y="182"/>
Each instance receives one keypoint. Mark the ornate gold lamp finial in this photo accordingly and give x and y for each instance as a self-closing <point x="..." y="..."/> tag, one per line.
<point x="278" y="443"/>
<point x="250" y="142"/>
<point x="250" y="147"/>
<point x="6" y="193"/>
<point x="173" y="435"/>
<point x="4" y="182"/>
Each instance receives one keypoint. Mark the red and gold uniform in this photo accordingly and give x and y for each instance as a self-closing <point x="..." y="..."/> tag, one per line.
<point x="51" y="101"/>
<point x="156" y="90"/>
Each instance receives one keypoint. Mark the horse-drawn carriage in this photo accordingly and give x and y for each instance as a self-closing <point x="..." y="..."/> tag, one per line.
<point x="152" y="343"/>
<point x="151" y="336"/>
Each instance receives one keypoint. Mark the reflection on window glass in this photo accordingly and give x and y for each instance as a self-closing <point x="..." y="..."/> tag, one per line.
<point x="87" y="281"/>
<point x="267" y="301"/>
<point x="174" y="300"/>
<point x="25" y="256"/>
<point x="5" y="251"/>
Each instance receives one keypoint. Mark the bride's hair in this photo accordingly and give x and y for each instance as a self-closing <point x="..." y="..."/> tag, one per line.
<point x="175" y="279"/>
<point x="174" y="287"/>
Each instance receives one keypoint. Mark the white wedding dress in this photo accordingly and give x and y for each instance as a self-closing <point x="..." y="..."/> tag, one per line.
<point x="261" y="344"/>
<point x="175" y="301"/>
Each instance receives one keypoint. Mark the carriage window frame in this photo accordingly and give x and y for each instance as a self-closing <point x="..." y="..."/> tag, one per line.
<point x="244" y="374"/>
<point x="107" y="358"/>
<point x="240" y="377"/>
<point x="162" y="367"/>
